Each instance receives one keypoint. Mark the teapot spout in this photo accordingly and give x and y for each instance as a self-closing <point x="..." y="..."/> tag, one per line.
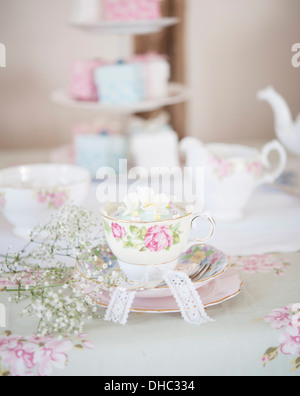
<point x="282" y="113"/>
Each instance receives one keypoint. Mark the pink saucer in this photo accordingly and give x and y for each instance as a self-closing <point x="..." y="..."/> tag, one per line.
<point x="216" y="292"/>
<point x="200" y="255"/>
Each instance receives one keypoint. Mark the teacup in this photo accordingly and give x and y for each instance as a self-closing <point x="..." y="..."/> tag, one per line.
<point x="147" y="250"/>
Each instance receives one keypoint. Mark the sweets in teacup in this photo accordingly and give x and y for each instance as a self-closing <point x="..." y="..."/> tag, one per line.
<point x="146" y="206"/>
<point x="148" y="233"/>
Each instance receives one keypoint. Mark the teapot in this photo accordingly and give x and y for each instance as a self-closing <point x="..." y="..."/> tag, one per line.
<point x="287" y="130"/>
<point x="232" y="173"/>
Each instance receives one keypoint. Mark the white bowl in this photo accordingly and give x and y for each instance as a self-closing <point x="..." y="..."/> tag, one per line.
<point x="30" y="194"/>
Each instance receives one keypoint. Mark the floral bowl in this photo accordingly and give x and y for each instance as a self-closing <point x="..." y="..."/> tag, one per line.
<point x="147" y="250"/>
<point x="30" y="194"/>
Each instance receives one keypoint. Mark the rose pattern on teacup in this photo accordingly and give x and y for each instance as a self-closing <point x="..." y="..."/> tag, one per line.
<point x="2" y="200"/>
<point x="159" y="238"/>
<point x="149" y="232"/>
<point x="118" y="231"/>
<point x="255" y="168"/>
<point x="154" y="239"/>
<point x="224" y="168"/>
<point x="54" y="199"/>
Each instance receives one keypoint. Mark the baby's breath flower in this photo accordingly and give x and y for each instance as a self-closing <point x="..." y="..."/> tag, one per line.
<point x="37" y="274"/>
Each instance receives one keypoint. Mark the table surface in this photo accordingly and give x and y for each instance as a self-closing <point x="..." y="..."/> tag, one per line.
<point x="254" y="333"/>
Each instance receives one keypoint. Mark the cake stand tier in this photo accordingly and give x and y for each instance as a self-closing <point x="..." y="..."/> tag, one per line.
<point x="178" y="93"/>
<point x="140" y="27"/>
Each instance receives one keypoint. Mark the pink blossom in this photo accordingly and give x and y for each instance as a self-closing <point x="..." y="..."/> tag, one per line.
<point x="52" y="355"/>
<point x="26" y="279"/>
<point x="42" y="197"/>
<point x="31" y="355"/>
<point x="58" y="199"/>
<point x="279" y="318"/>
<point x="17" y="355"/>
<point x="118" y="231"/>
<point x="88" y="344"/>
<point x="9" y="342"/>
<point x="290" y="341"/>
<point x="83" y="335"/>
<point x="158" y="238"/>
<point x="255" y="168"/>
<point x="263" y="263"/>
<point x="223" y="168"/>
<point x="54" y="199"/>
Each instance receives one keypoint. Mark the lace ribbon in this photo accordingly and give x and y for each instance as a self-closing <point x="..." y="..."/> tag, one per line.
<point x="187" y="298"/>
<point x="119" y="306"/>
<point x="183" y="290"/>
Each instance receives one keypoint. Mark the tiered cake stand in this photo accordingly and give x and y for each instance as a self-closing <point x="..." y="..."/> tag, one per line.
<point x="178" y="93"/>
<point x="126" y="27"/>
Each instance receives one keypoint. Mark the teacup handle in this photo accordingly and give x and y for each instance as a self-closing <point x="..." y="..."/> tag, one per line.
<point x="202" y="241"/>
<point x="270" y="177"/>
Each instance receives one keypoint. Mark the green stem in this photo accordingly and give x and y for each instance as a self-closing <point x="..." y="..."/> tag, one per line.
<point x="33" y="288"/>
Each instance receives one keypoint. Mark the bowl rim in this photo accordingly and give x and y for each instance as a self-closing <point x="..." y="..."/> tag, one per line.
<point x="86" y="177"/>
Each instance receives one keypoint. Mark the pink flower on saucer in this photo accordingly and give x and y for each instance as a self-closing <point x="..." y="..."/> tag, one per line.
<point x="118" y="231"/>
<point x="158" y="238"/>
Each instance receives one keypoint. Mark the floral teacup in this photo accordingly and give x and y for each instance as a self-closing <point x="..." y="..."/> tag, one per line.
<point x="147" y="250"/>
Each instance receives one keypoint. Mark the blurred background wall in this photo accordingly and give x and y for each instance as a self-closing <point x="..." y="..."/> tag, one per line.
<point x="40" y="48"/>
<point x="233" y="49"/>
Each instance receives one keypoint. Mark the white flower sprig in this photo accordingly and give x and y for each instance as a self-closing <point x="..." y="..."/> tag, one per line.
<point x="41" y="273"/>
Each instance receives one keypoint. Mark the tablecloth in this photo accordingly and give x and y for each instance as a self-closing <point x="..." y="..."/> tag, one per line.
<point x="255" y="333"/>
<point x="252" y="335"/>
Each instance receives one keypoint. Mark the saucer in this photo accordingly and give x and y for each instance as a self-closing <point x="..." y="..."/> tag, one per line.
<point x="289" y="182"/>
<point x="197" y="257"/>
<point x="224" y="288"/>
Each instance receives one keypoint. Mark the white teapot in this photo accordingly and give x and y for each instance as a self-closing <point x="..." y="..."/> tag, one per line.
<point x="287" y="129"/>
<point x="232" y="173"/>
